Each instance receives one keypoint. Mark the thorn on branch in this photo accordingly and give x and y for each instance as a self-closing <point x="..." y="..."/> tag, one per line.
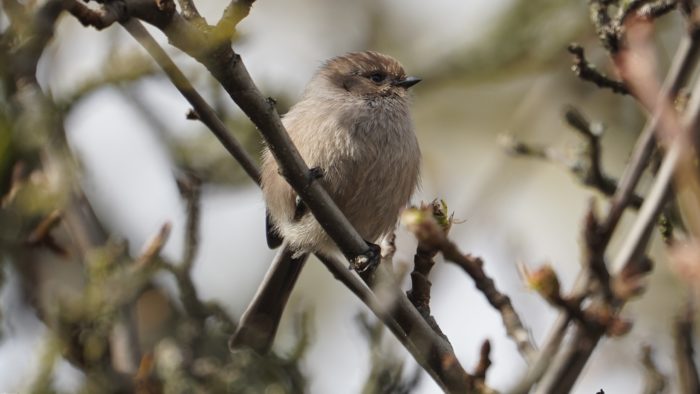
<point x="516" y="147"/>
<point x="271" y="103"/>
<point x="41" y="235"/>
<point x="154" y="246"/>
<point x="484" y="362"/>
<point x="588" y="72"/>
<point x="17" y="178"/>
<point x="192" y="114"/>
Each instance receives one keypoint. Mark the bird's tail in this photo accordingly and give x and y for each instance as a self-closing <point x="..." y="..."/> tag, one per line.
<point x="258" y="325"/>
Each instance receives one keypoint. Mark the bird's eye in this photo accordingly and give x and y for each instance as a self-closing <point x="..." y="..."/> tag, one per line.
<point x="377" y="77"/>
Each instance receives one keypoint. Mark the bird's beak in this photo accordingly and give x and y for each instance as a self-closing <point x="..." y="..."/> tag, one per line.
<point x="407" y="82"/>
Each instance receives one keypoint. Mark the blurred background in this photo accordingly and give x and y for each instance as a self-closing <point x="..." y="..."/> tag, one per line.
<point x="490" y="69"/>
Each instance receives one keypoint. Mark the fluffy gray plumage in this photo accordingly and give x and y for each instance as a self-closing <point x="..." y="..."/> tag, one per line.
<point x="353" y="122"/>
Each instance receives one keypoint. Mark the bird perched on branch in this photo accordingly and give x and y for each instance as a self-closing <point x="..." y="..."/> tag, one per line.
<point x="353" y="128"/>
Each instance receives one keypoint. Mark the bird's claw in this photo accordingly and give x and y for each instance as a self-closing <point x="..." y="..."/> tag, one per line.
<point x="368" y="261"/>
<point x="316" y="173"/>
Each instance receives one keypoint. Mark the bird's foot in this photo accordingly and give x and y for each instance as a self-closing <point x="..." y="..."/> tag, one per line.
<point x="366" y="263"/>
<point x="313" y="174"/>
<point x="316" y="173"/>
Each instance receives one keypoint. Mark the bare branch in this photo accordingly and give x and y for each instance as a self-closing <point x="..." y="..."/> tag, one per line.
<point x="681" y="69"/>
<point x="587" y="167"/>
<point x="588" y="72"/>
<point x="419" y="295"/>
<point x="594" y="255"/>
<point x="205" y="113"/>
<point x="568" y="365"/>
<point x="427" y="230"/>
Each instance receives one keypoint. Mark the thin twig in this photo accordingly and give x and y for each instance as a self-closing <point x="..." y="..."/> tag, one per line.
<point x="588" y="72"/>
<point x="587" y="168"/>
<point x="594" y="254"/>
<point x="190" y="188"/>
<point x="41" y="235"/>
<point x="593" y="176"/>
<point x="153" y="247"/>
<point x="683" y="341"/>
<point x="474" y="267"/>
<point x="234" y="13"/>
<point x="654" y="380"/>
<point x="484" y="361"/>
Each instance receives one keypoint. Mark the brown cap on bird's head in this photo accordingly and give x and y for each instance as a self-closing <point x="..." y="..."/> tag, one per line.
<point x="367" y="73"/>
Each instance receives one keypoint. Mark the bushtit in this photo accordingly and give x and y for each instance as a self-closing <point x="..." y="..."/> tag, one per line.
<point x="353" y="128"/>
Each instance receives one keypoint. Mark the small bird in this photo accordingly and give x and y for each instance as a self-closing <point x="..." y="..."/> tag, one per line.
<point x="353" y="125"/>
<point x="353" y="128"/>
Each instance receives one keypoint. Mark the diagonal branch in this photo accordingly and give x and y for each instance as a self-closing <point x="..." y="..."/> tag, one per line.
<point x="205" y="112"/>
<point x="430" y="350"/>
